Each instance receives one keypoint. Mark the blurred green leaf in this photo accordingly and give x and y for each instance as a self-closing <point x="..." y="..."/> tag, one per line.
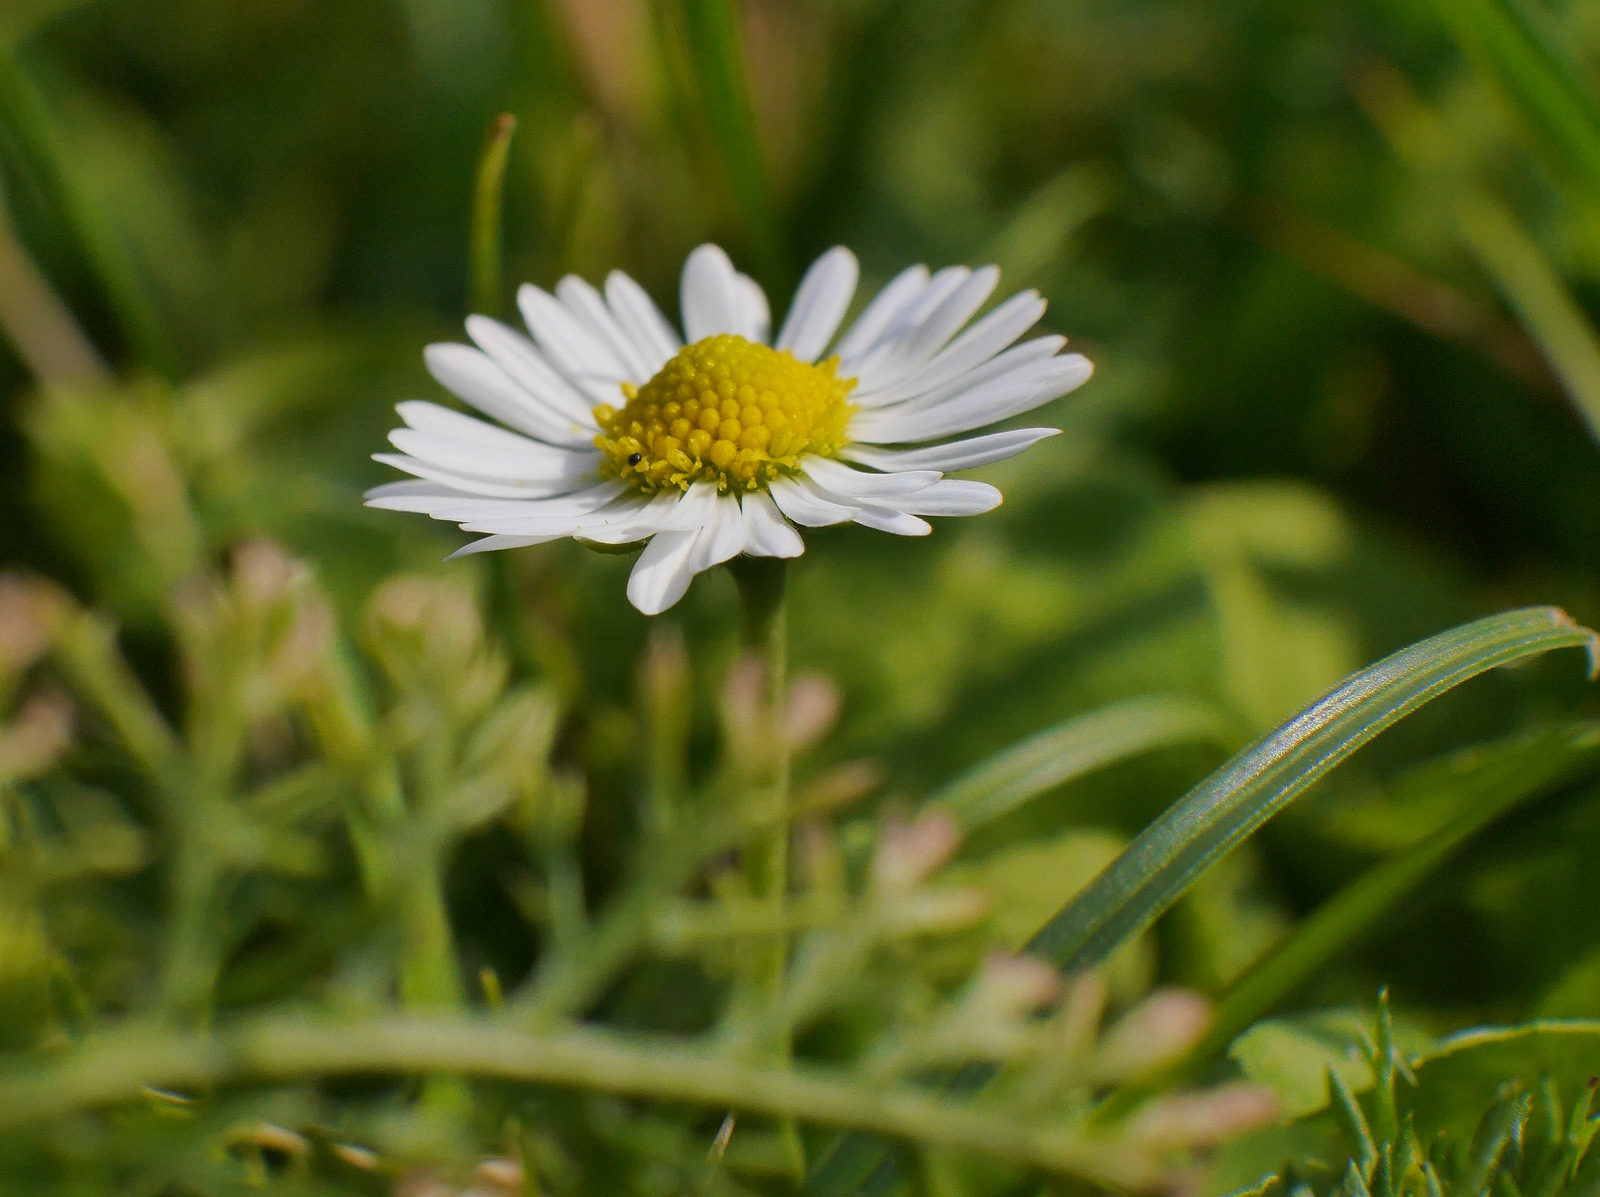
<point x="1073" y="748"/>
<point x="26" y="118"/>
<point x="1508" y="40"/>
<point x="720" y="84"/>
<point x="1520" y="269"/>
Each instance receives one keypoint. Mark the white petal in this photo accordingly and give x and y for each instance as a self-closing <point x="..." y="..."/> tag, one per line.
<point x="897" y="522"/>
<point x="582" y="357"/>
<point x="886" y="306"/>
<point x="756" y="310"/>
<point x="637" y="313"/>
<point x="411" y="490"/>
<point x="952" y="496"/>
<point x="490" y="544"/>
<point x="713" y="299"/>
<point x="722" y="537"/>
<point x="587" y="306"/>
<point x="528" y="462"/>
<point x="1021" y="390"/>
<point x="840" y="480"/>
<point x="766" y="532"/>
<point x="1036" y="350"/>
<point x="446" y="503"/>
<point x="469" y="374"/>
<point x="820" y="303"/>
<point x="663" y="572"/>
<point x="694" y="508"/>
<point x="481" y="486"/>
<point x="526" y="366"/>
<point x="911" y="351"/>
<point x="971" y="349"/>
<point x="630" y="519"/>
<point x="957" y="455"/>
<point x="805" y="505"/>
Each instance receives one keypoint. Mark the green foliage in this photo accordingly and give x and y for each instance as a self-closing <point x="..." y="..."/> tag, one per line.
<point x="327" y="869"/>
<point x="1501" y="1111"/>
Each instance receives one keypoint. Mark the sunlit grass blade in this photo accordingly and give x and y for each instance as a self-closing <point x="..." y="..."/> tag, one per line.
<point x="1485" y="784"/>
<point x="1218" y="814"/>
<point x="1076" y="747"/>
<point x="25" y="116"/>
<point x="715" y="56"/>
<point x="487" y="206"/>
<point x="1504" y="40"/>
<point x="1170" y="854"/>
<point x="1508" y="254"/>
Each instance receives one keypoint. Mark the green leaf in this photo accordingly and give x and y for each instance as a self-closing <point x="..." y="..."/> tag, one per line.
<point x="1170" y="854"/>
<point x="1073" y="748"/>
<point x="1293" y="1057"/>
<point x="1504" y="40"/>
<point x="1462" y="1075"/>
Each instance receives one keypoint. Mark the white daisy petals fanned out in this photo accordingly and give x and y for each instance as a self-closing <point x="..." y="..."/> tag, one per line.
<point x="924" y="371"/>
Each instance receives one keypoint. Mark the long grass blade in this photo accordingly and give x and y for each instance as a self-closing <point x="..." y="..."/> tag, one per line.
<point x="715" y="49"/>
<point x="1218" y="814"/>
<point x="1487" y="783"/>
<point x="1075" y="747"/>
<point x="25" y="115"/>
<point x="1505" y="41"/>
<point x="1521" y="271"/>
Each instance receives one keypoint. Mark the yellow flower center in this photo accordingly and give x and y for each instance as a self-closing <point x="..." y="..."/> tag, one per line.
<point x="728" y="411"/>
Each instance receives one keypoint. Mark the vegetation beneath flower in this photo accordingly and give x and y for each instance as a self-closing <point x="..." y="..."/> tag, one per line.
<point x="728" y="411"/>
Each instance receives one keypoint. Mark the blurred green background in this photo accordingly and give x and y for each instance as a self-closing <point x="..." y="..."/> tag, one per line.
<point x="1317" y="431"/>
<point x="1329" y="261"/>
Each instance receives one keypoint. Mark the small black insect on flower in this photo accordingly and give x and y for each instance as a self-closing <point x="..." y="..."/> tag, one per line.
<point x="635" y="458"/>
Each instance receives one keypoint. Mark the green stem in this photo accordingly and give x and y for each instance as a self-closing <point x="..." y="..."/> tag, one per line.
<point x="116" y="1066"/>
<point x="764" y="631"/>
<point x="487" y="205"/>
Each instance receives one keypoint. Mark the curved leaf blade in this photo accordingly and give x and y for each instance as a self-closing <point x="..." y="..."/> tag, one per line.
<point x="1076" y="747"/>
<point x="1169" y="855"/>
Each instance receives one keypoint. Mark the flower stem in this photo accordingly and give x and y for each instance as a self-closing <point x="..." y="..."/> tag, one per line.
<point x="764" y="632"/>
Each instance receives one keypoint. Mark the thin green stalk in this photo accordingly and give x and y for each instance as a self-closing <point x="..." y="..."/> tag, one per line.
<point x="720" y="83"/>
<point x="764" y="632"/>
<point x="487" y="221"/>
<point x="117" y="1066"/>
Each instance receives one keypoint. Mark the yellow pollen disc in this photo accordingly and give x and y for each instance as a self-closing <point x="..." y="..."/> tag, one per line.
<point x="728" y="411"/>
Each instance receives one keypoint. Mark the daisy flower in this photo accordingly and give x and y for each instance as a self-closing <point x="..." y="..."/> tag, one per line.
<point x="614" y="430"/>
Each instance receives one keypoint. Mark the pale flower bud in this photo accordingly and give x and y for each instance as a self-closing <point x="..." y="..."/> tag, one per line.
<point x="911" y="852"/>
<point x="36" y="738"/>
<point x="811" y="711"/>
<point x="1156" y="1031"/>
<point x="31" y="613"/>
<point x="1203" y="1119"/>
<point x="1008" y="986"/>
